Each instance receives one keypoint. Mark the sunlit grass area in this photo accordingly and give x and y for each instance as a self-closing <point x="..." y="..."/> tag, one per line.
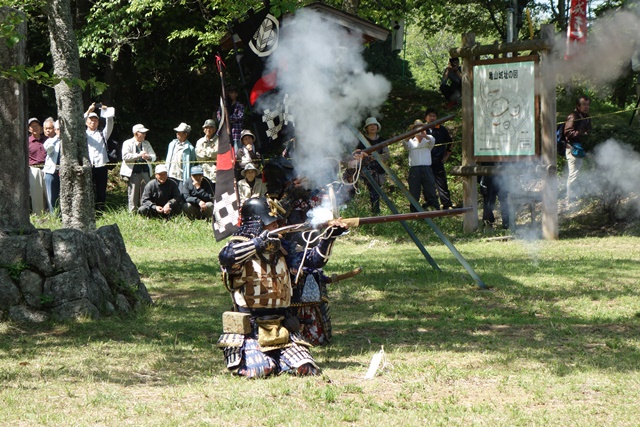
<point x="554" y="341"/>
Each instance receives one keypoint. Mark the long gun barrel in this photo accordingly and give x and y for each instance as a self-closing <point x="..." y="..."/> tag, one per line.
<point x="406" y="135"/>
<point x="356" y="222"/>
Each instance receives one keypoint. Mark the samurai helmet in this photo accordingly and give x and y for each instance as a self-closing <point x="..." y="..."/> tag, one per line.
<point x="258" y="209"/>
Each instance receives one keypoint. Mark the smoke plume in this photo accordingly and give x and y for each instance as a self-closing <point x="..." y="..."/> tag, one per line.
<point x="606" y="56"/>
<point x="320" y="67"/>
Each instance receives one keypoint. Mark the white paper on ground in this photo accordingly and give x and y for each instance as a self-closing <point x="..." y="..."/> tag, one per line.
<point x="376" y="361"/>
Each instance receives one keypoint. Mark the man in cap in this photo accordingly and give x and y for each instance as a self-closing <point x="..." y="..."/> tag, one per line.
<point x="37" y="156"/>
<point x="97" y="145"/>
<point x="161" y="197"/>
<point x="180" y="155"/>
<point x="198" y="195"/>
<point x="51" y="167"/>
<point x="136" y="169"/>
<point x="250" y="186"/>
<point x="207" y="149"/>
<point x="261" y="337"/>
<point x="420" y="173"/>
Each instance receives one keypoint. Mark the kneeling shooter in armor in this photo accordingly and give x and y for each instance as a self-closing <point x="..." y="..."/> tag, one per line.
<point x="262" y="335"/>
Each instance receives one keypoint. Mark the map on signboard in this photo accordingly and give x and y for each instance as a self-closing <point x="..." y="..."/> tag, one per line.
<point x="504" y="109"/>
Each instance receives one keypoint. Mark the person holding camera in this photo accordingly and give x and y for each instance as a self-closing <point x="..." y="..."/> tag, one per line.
<point x="451" y="83"/>
<point x="97" y="144"/>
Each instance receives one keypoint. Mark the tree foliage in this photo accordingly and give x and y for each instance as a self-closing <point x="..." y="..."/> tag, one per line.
<point x="156" y="57"/>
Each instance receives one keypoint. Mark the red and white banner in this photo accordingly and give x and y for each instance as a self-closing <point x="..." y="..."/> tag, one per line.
<point x="577" y="28"/>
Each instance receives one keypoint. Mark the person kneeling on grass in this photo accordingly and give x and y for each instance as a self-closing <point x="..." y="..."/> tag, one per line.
<point x="261" y="337"/>
<point x="198" y="195"/>
<point x="161" y="197"/>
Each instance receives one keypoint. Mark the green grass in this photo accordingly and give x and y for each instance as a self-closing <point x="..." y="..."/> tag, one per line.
<point x="554" y="342"/>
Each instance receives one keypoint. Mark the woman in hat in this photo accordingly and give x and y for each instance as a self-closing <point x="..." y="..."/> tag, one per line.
<point x="207" y="149"/>
<point x="250" y="186"/>
<point x="371" y="131"/>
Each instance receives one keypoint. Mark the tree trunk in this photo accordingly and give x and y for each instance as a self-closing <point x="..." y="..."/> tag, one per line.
<point x="14" y="161"/>
<point x="562" y="15"/>
<point x="76" y="188"/>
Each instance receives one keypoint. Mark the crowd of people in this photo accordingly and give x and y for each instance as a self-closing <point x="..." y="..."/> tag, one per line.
<point x="185" y="181"/>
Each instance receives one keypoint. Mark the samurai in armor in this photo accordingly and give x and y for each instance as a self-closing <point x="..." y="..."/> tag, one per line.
<point x="262" y="336"/>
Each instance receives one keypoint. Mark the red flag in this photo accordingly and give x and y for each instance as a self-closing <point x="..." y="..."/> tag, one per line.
<point x="225" y="211"/>
<point x="577" y="28"/>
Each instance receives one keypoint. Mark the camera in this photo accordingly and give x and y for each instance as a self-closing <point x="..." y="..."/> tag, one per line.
<point x="98" y="105"/>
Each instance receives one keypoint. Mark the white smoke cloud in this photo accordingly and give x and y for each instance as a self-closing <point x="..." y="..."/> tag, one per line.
<point x="611" y="41"/>
<point x="320" y="67"/>
<point x="617" y="173"/>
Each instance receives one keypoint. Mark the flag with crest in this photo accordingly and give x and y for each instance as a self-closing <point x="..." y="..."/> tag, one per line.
<point x="225" y="211"/>
<point x="269" y="109"/>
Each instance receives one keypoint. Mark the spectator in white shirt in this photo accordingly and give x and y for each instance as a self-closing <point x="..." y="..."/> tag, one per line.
<point x="420" y="174"/>
<point x="97" y="144"/>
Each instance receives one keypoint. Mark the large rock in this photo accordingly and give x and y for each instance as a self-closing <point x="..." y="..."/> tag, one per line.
<point x="22" y="314"/>
<point x="69" y="250"/>
<point x="76" y="309"/>
<point x="68" y="286"/>
<point x="39" y="252"/>
<point x="9" y="293"/>
<point x="13" y="249"/>
<point x="118" y="267"/>
<point x="106" y="292"/>
<point x="31" y="286"/>
<point x="122" y="304"/>
<point x="68" y="274"/>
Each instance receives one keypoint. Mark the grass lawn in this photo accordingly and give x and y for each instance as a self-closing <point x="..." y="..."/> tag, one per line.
<point x="555" y="342"/>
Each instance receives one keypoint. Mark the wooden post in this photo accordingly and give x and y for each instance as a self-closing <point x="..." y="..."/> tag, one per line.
<point x="469" y="183"/>
<point x="548" y="137"/>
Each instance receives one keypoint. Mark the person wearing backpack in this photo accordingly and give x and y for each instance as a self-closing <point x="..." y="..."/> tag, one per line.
<point x="576" y="130"/>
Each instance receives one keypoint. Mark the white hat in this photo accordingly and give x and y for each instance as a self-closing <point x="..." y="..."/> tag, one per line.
<point x="372" y="121"/>
<point x="417" y="123"/>
<point x="247" y="132"/>
<point x="92" y="115"/>
<point x="183" y="127"/>
<point x="56" y="125"/>
<point x="139" y="128"/>
<point x="33" y="119"/>
<point x="249" y="167"/>
<point x="161" y="168"/>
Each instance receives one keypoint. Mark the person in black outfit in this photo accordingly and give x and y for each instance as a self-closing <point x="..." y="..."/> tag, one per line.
<point x="198" y="195"/>
<point x="451" y="83"/>
<point x="492" y="187"/>
<point x="161" y="197"/>
<point x="439" y="155"/>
